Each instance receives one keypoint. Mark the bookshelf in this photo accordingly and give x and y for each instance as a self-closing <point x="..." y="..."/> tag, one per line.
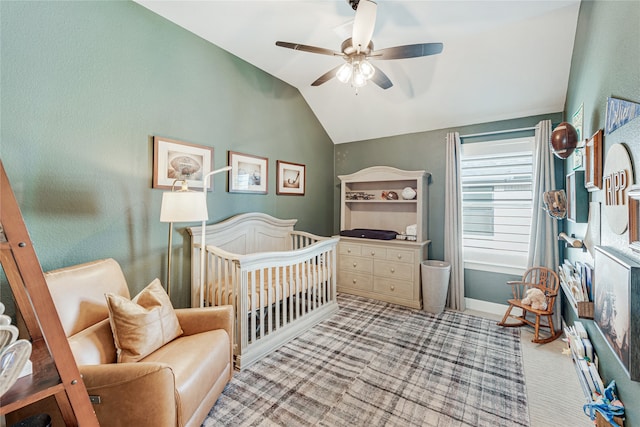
<point x="55" y="372"/>
<point x="585" y="361"/>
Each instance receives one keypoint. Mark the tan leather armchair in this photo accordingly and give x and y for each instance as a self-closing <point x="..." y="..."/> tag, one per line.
<point x="176" y="385"/>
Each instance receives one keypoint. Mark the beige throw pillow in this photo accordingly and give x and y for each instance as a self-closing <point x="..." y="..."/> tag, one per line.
<point x="144" y="324"/>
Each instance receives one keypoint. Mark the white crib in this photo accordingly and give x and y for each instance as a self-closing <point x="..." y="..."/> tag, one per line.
<point x="281" y="282"/>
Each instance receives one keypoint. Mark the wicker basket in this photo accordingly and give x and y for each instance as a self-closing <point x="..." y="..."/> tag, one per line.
<point x="585" y="309"/>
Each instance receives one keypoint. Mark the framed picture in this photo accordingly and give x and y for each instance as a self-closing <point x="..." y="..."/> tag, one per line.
<point x="291" y="178"/>
<point x="176" y="160"/>
<point x="577" y="121"/>
<point x="577" y="157"/>
<point x="593" y="162"/>
<point x="617" y="306"/>
<point x="634" y="217"/>
<point x="248" y="173"/>
<point x="577" y="197"/>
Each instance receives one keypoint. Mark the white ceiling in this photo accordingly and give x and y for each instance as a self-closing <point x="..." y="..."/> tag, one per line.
<point x="501" y="59"/>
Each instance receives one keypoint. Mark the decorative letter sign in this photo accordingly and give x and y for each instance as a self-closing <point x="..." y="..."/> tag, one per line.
<point x="618" y="178"/>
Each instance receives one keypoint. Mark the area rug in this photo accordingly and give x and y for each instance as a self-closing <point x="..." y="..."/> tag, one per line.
<point x="379" y="364"/>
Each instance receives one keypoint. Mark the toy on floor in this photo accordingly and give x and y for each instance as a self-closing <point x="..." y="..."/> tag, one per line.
<point x="535" y="298"/>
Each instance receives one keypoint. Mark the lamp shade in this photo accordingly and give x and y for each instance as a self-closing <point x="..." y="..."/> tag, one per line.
<point x="183" y="206"/>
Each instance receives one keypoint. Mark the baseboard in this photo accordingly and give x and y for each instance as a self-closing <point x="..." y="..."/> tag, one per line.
<point x="485" y="306"/>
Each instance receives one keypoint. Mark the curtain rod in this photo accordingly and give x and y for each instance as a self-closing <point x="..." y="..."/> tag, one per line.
<point x="497" y="132"/>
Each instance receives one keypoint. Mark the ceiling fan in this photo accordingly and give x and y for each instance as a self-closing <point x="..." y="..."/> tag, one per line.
<point x="358" y="50"/>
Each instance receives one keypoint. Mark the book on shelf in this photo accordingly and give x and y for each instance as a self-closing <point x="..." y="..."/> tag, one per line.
<point x="586" y="373"/>
<point x="580" y="330"/>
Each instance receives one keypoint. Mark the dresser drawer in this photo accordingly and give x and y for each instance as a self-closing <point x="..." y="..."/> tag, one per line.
<point x="376" y="252"/>
<point x="349" y="249"/>
<point x="396" y="288"/>
<point x="356" y="264"/>
<point x="393" y="270"/>
<point x="351" y="280"/>
<point x="400" y="255"/>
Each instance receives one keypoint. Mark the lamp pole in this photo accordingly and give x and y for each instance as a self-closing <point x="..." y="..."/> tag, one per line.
<point x="202" y="230"/>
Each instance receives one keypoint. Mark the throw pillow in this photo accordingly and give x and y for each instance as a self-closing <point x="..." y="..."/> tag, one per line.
<point x="144" y="324"/>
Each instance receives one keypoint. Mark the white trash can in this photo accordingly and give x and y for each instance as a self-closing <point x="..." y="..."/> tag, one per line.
<point x="435" y="285"/>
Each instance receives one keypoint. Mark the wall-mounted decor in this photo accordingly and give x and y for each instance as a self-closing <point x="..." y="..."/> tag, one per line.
<point x="619" y="113"/>
<point x="592" y="235"/>
<point x="555" y="203"/>
<point x="577" y="197"/>
<point x="249" y="174"/>
<point x="577" y="158"/>
<point x="176" y="160"/>
<point x="617" y="306"/>
<point x="634" y="218"/>
<point x="291" y="178"/>
<point x="564" y="139"/>
<point x="593" y="162"/>
<point x="617" y="179"/>
<point x="577" y="121"/>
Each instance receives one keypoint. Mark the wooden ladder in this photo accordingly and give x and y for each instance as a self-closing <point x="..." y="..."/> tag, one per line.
<point x="55" y="372"/>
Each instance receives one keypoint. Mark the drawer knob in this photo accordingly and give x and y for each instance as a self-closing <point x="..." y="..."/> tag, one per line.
<point x="393" y="270"/>
<point x="393" y="288"/>
<point x="354" y="281"/>
<point x="355" y="264"/>
<point x="349" y="251"/>
<point x="372" y="253"/>
<point x="399" y="256"/>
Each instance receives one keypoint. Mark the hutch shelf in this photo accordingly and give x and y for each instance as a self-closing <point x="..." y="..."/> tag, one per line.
<point x="388" y="270"/>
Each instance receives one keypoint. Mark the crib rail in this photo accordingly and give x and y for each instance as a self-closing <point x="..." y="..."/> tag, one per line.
<point x="276" y="295"/>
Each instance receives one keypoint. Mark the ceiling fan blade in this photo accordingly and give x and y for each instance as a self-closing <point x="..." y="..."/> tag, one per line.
<point x="363" y="24"/>
<point x="381" y="78"/>
<point x="326" y="76"/>
<point x="306" y="48"/>
<point x="407" y="51"/>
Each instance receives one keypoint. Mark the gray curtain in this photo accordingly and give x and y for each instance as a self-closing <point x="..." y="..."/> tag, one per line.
<point x="453" y="223"/>
<point x="543" y="242"/>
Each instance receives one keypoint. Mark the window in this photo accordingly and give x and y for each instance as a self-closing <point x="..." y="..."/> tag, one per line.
<point x="497" y="189"/>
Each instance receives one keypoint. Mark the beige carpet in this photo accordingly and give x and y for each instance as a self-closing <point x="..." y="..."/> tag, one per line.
<point x="553" y="391"/>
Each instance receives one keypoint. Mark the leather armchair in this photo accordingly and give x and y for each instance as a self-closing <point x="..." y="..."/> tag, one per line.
<point x="176" y="385"/>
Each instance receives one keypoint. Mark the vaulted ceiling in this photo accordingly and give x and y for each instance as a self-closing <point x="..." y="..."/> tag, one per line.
<point x="501" y="59"/>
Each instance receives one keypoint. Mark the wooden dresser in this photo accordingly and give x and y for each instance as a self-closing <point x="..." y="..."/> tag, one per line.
<point x="381" y="269"/>
<point x="388" y="270"/>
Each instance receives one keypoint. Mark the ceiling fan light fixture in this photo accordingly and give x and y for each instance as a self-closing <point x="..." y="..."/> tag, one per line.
<point x="344" y="73"/>
<point x="358" y="79"/>
<point x="367" y="69"/>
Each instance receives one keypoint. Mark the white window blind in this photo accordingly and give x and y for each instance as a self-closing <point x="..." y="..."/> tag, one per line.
<point x="496" y="204"/>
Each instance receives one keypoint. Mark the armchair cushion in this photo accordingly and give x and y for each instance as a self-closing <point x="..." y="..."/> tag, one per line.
<point x="144" y="324"/>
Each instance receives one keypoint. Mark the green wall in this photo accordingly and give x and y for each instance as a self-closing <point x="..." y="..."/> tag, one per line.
<point x="606" y="62"/>
<point x="426" y="151"/>
<point x="84" y="87"/>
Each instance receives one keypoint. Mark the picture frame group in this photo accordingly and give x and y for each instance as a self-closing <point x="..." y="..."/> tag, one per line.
<point x="175" y="161"/>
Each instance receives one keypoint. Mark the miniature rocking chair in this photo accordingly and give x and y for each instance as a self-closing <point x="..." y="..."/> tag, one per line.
<point x="547" y="281"/>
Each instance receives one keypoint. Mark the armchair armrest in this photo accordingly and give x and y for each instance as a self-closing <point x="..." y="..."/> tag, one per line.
<point x="144" y="391"/>
<point x="202" y="319"/>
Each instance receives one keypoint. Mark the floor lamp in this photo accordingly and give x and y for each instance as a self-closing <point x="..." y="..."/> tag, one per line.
<point x="205" y="185"/>
<point x="182" y="205"/>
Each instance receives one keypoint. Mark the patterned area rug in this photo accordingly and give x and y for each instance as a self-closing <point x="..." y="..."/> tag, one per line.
<point x="379" y="364"/>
